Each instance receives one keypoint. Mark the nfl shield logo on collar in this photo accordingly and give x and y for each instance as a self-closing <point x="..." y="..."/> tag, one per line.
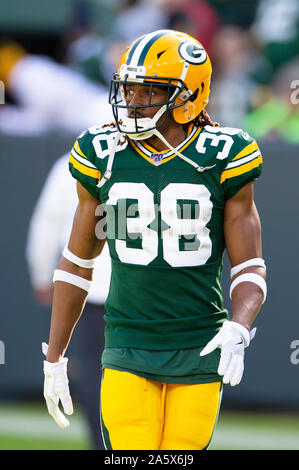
<point x="156" y="158"/>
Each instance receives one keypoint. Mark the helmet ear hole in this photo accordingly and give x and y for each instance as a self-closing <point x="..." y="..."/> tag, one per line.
<point x="194" y="96"/>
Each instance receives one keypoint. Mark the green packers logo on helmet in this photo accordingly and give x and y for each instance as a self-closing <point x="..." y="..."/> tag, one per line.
<point x="192" y="52"/>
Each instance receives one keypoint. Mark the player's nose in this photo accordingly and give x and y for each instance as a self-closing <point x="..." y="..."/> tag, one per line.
<point x="138" y="98"/>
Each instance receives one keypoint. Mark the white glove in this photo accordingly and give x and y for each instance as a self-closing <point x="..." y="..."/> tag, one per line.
<point x="56" y="388"/>
<point x="232" y="338"/>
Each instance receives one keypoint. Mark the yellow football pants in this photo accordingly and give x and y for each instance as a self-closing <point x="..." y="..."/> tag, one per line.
<point x="142" y="414"/>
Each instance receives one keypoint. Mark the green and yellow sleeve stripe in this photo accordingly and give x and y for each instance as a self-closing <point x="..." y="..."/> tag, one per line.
<point x="80" y="162"/>
<point x="78" y="150"/>
<point x="247" y="150"/>
<point x="245" y="161"/>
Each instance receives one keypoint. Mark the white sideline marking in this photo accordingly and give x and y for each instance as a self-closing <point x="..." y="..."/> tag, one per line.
<point x="35" y="424"/>
<point x="230" y="437"/>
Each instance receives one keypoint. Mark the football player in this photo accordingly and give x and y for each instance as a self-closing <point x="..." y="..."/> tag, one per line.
<point x="169" y="190"/>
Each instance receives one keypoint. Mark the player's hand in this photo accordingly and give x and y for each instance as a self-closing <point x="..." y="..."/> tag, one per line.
<point x="56" y="388"/>
<point x="232" y="338"/>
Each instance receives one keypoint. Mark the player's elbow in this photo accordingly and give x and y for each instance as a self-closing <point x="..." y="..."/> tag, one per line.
<point x="70" y="267"/>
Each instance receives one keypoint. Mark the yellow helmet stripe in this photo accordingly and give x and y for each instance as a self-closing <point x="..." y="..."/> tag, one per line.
<point x="147" y="48"/>
<point x="133" y="48"/>
<point x="143" y="47"/>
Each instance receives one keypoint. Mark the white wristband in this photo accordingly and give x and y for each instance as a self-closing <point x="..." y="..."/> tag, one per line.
<point x="82" y="263"/>
<point x="250" y="277"/>
<point x="251" y="262"/>
<point x="60" y="275"/>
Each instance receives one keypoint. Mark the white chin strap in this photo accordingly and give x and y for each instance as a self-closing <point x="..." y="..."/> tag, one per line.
<point x="147" y="130"/>
<point x="200" y="169"/>
<point x="128" y="125"/>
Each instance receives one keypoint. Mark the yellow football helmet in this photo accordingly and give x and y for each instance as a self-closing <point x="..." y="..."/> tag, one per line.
<point x="166" y="58"/>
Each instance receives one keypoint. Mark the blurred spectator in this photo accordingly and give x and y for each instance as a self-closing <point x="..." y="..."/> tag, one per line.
<point x="232" y="88"/>
<point x="179" y="21"/>
<point x="278" y="118"/>
<point x="49" y="231"/>
<point x="96" y="58"/>
<point x="276" y="28"/>
<point x="235" y="12"/>
<point x="87" y="50"/>
<point x="48" y="96"/>
<point x="90" y="16"/>
<point x="194" y="17"/>
<point x="137" y="17"/>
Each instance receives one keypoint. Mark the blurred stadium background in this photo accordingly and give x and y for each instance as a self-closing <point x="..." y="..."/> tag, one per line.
<point x="56" y="60"/>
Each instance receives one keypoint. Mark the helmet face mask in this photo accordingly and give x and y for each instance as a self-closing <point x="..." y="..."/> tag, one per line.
<point x="165" y="59"/>
<point x="121" y="105"/>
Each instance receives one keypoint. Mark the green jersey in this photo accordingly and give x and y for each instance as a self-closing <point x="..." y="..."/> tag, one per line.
<point x="164" y="228"/>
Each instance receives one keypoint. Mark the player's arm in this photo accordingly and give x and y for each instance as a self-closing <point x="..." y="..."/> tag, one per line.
<point x="242" y="231"/>
<point x="73" y="280"/>
<point x="68" y="298"/>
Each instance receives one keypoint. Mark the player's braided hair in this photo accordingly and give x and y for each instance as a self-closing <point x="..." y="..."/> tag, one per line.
<point x="203" y="119"/>
<point x="110" y="124"/>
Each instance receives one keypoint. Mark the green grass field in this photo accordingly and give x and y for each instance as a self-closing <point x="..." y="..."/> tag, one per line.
<point x="29" y="427"/>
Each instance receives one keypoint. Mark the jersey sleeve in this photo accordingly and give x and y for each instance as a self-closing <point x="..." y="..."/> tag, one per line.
<point x="244" y="164"/>
<point x="82" y="164"/>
